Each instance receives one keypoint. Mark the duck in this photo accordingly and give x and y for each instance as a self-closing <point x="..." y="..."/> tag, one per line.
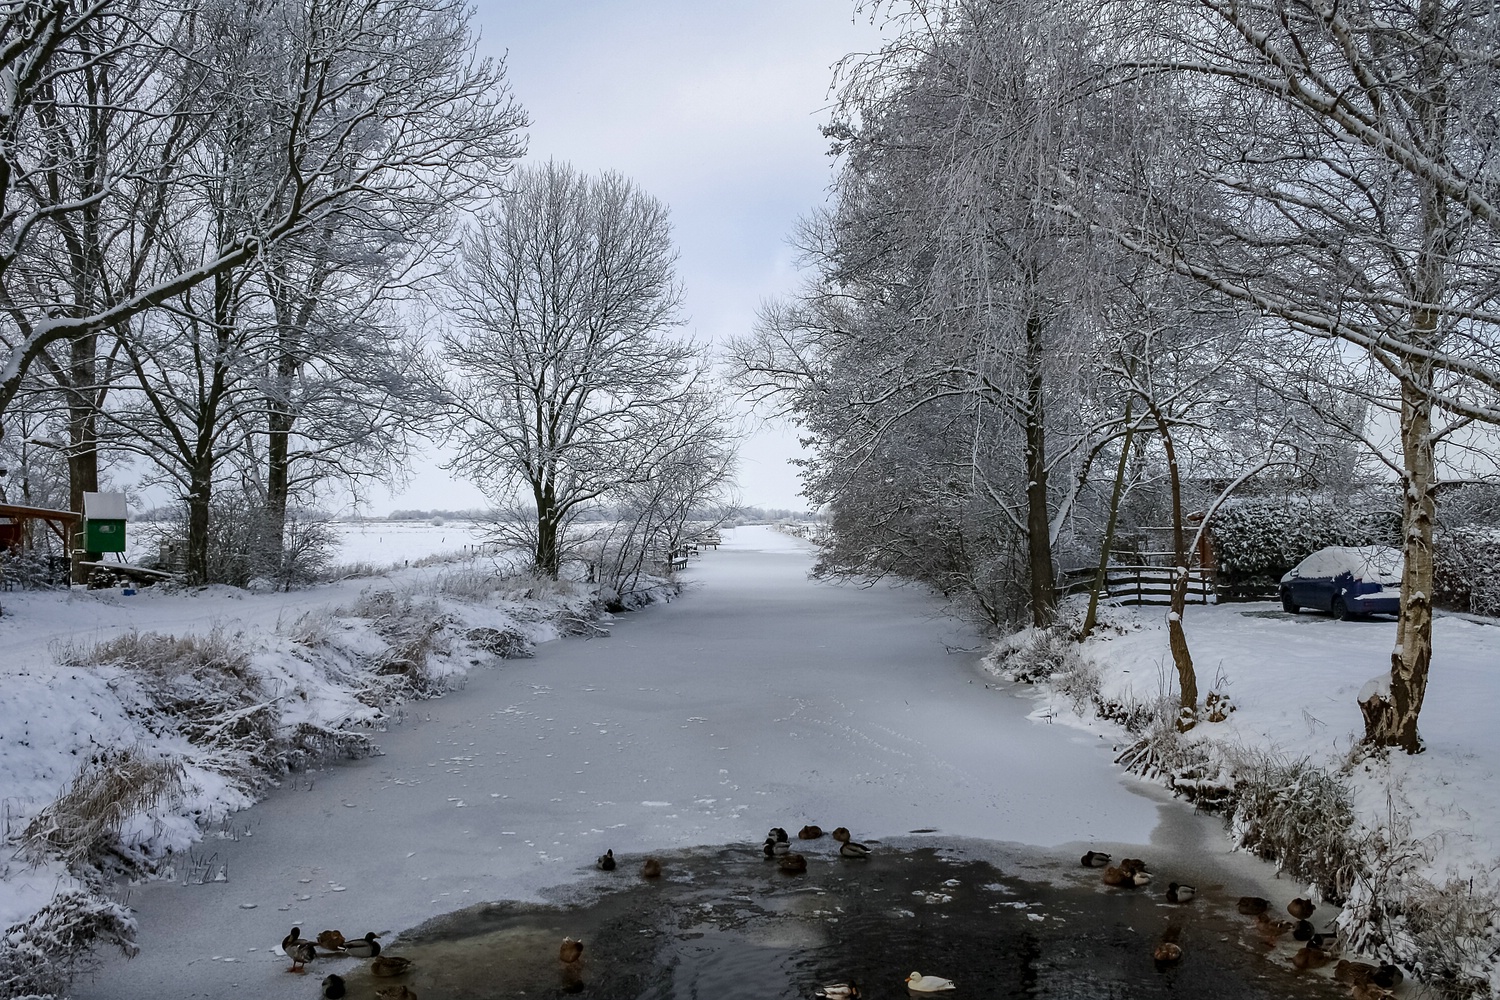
<point x="1303" y="930"/>
<point x="389" y="965"/>
<point x="1178" y="893"/>
<point x="364" y="947"/>
<point x="1253" y="906"/>
<point x="1095" y="859"/>
<point x="778" y="834"/>
<point x="1122" y="879"/>
<point x="651" y="868"/>
<point x="810" y="832"/>
<point x="333" y="987"/>
<point x="1166" y="952"/>
<point x="838" y="991"/>
<point x="1369" y="991"/>
<point x="792" y="864"/>
<point x="841" y="833"/>
<point x="849" y="849"/>
<point x="1270" y="929"/>
<point x="402" y="992"/>
<point x="928" y="984"/>
<point x="301" y="953"/>
<point x="330" y="940"/>
<point x="1310" y="957"/>
<point x="606" y="862"/>
<point x="1132" y="865"/>
<point x="772" y="847"/>
<point x="291" y="939"/>
<point x="1301" y="908"/>
<point x="1355" y="973"/>
<point x="570" y="951"/>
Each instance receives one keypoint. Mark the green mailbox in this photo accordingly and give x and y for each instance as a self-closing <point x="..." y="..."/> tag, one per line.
<point x="104" y="522"/>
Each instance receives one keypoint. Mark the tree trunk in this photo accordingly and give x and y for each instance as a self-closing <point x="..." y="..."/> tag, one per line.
<point x="1101" y="575"/>
<point x="199" y="497"/>
<point x="1182" y="656"/>
<point x="548" y="558"/>
<point x="1391" y="716"/>
<point x="1038" y="515"/>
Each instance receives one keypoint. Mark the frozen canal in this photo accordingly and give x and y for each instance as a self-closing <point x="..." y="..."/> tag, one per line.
<point x="758" y="699"/>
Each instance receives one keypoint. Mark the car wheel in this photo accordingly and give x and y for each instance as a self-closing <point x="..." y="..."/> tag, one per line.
<point x="1287" y="604"/>
<point x="1340" y="610"/>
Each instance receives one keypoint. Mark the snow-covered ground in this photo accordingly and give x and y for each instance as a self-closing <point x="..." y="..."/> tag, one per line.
<point x="758" y="698"/>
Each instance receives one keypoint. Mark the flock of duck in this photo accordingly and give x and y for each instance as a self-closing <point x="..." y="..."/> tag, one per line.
<point x="1365" y="981"/>
<point x="333" y="943"/>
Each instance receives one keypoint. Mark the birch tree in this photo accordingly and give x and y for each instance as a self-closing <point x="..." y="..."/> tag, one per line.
<point x="563" y="299"/>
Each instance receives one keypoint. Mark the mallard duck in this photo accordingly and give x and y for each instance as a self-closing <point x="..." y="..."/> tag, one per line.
<point x="1122" y="879"/>
<point x="570" y="951"/>
<point x="772" y="847"/>
<point x="1252" y="906"/>
<point x="651" y="868"/>
<point x="810" y="832"/>
<point x="330" y="940"/>
<point x="301" y="953"/>
<point x="389" y="965"/>
<point x="841" y="833"/>
<point x="1369" y="991"/>
<point x="838" y="991"/>
<point x="1303" y="930"/>
<point x="333" y="987"/>
<point x="402" y="992"/>
<point x="1378" y="978"/>
<point x="928" y="984"/>
<point x="1301" y="908"/>
<point x="365" y="947"/>
<point x="291" y="939"/>
<point x="1095" y="859"/>
<point x="1167" y="952"/>
<point x="1270" y="929"/>
<point x="792" y="864"/>
<point x="849" y="849"/>
<point x="1310" y="956"/>
<point x="1132" y="865"/>
<point x="777" y="834"/>
<point x="606" y="862"/>
<point x="1178" y="893"/>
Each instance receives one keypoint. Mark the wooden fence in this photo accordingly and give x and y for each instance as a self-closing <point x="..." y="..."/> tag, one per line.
<point x="1141" y="584"/>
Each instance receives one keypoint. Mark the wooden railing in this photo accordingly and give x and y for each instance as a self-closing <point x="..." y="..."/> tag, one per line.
<point x="1141" y="584"/>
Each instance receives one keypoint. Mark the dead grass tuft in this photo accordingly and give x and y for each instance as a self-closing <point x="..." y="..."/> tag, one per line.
<point x="83" y="825"/>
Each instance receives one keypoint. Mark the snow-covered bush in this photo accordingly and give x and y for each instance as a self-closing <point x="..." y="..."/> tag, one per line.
<point x="1299" y="816"/>
<point x="83" y="825"/>
<point x="1466" y="569"/>
<point x="40" y="955"/>
<point x="414" y="631"/>
<point x="1033" y="655"/>
<point x="1257" y="539"/>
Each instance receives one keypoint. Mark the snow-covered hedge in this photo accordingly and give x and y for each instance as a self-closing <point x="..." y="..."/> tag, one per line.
<point x="1466" y="569"/>
<point x="1257" y="539"/>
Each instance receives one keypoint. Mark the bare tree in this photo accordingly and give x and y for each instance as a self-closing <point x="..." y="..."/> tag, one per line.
<point x="564" y="296"/>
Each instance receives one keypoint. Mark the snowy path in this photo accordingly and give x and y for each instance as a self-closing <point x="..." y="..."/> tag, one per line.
<point x="760" y="698"/>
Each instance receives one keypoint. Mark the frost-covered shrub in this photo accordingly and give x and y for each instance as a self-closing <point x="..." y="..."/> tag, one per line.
<point x="1298" y="815"/>
<point x="1257" y="539"/>
<point x="83" y="825"/>
<point x="1466" y="569"/>
<point x="414" y="632"/>
<point x="1034" y="655"/>
<point x="506" y="643"/>
<point x="1448" y="935"/>
<point x="40" y="955"/>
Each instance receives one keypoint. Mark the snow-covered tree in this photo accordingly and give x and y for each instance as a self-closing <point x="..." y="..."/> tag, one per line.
<point x="564" y="300"/>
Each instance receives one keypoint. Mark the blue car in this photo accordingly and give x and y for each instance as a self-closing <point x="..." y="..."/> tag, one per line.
<point x="1345" y="581"/>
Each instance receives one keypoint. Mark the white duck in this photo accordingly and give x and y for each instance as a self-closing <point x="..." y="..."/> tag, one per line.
<point x="928" y="984"/>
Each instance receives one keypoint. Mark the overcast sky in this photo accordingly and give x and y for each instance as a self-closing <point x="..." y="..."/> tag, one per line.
<point x="711" y="107"/>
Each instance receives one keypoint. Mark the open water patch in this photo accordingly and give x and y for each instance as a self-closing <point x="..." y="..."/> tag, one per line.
<point x="725" y="923"/>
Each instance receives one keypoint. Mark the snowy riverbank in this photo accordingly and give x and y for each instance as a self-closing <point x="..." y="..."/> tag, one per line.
<point x="1423" y="831"/>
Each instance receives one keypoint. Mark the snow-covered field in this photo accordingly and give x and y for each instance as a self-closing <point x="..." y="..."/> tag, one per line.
<point x="758" y="697"/>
